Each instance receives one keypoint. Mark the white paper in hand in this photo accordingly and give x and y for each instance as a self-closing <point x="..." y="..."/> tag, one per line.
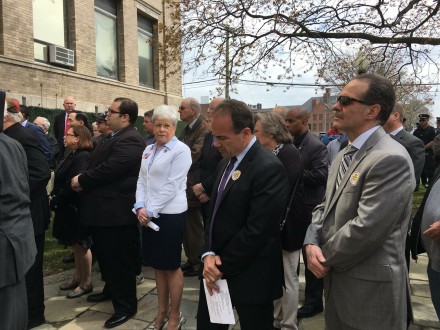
<point x="219" y="304"/>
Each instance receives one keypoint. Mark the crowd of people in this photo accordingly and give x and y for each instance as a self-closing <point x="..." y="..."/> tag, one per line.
<point x="243" y="194"/>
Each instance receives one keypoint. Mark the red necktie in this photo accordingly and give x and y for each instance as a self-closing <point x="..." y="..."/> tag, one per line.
<point x="66" y="126"/>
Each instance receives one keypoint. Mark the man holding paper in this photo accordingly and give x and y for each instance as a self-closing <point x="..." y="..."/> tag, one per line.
<point x="242" y="239"/>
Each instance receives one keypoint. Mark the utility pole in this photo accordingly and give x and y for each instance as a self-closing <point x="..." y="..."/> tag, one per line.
<point x="227" y="65"/>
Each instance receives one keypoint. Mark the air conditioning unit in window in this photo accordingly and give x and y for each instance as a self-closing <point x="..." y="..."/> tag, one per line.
<point x="60" y="55"/>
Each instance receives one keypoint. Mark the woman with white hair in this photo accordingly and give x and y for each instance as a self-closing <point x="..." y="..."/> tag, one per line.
<point x="161" y="198"/>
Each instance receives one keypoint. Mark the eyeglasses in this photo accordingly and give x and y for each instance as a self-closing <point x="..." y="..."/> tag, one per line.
<point x="111" y="111"/>
<point x="346" y="100"/>
<point x="181" y="108"/>
<point x="67" y="134"/>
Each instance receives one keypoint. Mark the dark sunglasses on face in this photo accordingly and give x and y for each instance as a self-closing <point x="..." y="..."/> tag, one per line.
<point x="346" y="100"/>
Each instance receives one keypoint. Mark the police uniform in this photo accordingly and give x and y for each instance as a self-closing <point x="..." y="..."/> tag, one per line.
<point x="427" y="135"/>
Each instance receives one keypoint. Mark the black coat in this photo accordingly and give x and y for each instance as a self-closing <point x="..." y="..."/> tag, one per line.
<point x="314" y="157"/>
<point x="39" y="175"/>
<point x="66" y="223"/>
<point x="110" y="180"/>
<point x="59" y="127"/>
<point x="209" y="159"/>
<point x="246" y="228"/>
<point x="298" y="219"/>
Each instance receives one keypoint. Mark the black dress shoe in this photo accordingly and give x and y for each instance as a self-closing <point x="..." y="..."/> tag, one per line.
<point x="116" y="319"/>
<point x="309" y="311"/>
<point x="185" y="266"/>
<point x="98" y="297"/>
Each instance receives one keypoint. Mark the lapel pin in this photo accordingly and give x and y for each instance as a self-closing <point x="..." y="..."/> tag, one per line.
<point x="236" y="175"/>
<point x="354" y="178"/>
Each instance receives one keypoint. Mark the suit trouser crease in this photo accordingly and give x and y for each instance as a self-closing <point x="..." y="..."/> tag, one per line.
<point x="193" y="235"/>
<point x="115" y="248"/>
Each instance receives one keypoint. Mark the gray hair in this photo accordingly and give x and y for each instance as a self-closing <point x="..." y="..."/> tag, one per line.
<point x="14" y="116"/>
<point x="273" y="125"/>
<point x="45" y="123"/>
<point x="194" y="104"/>
<point x="165" y="112"/>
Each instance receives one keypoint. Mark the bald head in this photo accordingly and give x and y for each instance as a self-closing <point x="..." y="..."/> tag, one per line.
<point x="69" y="104"/>
<point x="214" y="102"/>
<point x="281" y="111"/>
<point x="297" y="121"/>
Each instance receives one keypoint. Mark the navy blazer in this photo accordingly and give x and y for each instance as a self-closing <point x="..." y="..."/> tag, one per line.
<point x="38" y="132"/>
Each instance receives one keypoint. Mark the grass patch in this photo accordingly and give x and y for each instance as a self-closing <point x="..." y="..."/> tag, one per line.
<point x="54" y="254"/>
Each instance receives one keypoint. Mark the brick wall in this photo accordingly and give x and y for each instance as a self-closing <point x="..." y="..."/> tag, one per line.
<point x="47" y="85"/>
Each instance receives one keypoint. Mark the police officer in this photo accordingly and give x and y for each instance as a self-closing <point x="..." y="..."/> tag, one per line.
<point x="426" y="133"/>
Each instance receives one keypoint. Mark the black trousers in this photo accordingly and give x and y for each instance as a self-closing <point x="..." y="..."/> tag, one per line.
<point x="251" y="316"/>
<point x="314" y="286"/>
<point x="35" y="286"/>
<point x="117" y="250"/>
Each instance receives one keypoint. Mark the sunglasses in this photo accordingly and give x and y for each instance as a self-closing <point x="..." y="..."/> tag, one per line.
<point x="346" y="100"/>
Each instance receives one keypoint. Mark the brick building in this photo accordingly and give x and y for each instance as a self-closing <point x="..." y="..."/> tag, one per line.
<point x="320" y="112"/>
<point x="91" y="50"/>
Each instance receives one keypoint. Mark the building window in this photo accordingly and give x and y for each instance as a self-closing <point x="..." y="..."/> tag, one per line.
<point x="106" y="39"/>
<point x="50" y="26"/>
<point x="321" y="117"/>
<point x="320" y="127"/>
<point x="145" y="51"/>
<point x="314" y="127"/>
<point x="314" y="116"/>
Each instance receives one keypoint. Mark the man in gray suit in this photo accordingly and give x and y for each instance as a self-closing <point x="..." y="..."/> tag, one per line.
<point x="357" y="237"/>
<point x="17" y="244"/>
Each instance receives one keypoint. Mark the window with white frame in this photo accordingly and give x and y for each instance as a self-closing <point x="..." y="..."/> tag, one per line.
<point x="106" y="38"/>
<point x="145" y="51"/>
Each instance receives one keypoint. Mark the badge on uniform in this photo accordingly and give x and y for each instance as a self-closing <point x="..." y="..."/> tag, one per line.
<point x="236" y="175"/>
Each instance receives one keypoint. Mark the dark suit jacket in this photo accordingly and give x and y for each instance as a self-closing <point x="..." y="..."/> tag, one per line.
<point x="314" y="157"/>
<point x="58" y="131"/>
<point x="110" y="181"/>
<point x="38" y="132"/>
<point x="246" y="233"/>
<point x="298" y="219"/>
<point x="416" y="151"/>
<point x="39" y="175"/>
<point x="207" y="163"/>
<point x="17" y="243"/>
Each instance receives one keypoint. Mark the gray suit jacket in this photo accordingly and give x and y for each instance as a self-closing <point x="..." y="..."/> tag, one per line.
<point x="17" y="243"/>
<point x="416" y="150"/>
<point x="361" y="228"/>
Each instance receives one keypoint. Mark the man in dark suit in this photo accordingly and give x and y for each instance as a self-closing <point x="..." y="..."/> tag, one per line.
<point x="109" y="186"/>
<point x="413" y="145"/>
<point x="314" y="157"/>
<point x="242" y="241"/>
<point x="207" y="164"/>
<point x="17" y="244"/>
<point x="39" y="175"/>
<point x="61" y="124"/>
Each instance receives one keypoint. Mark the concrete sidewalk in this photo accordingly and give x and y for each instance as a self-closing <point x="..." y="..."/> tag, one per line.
<point x="75" y="314"/>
